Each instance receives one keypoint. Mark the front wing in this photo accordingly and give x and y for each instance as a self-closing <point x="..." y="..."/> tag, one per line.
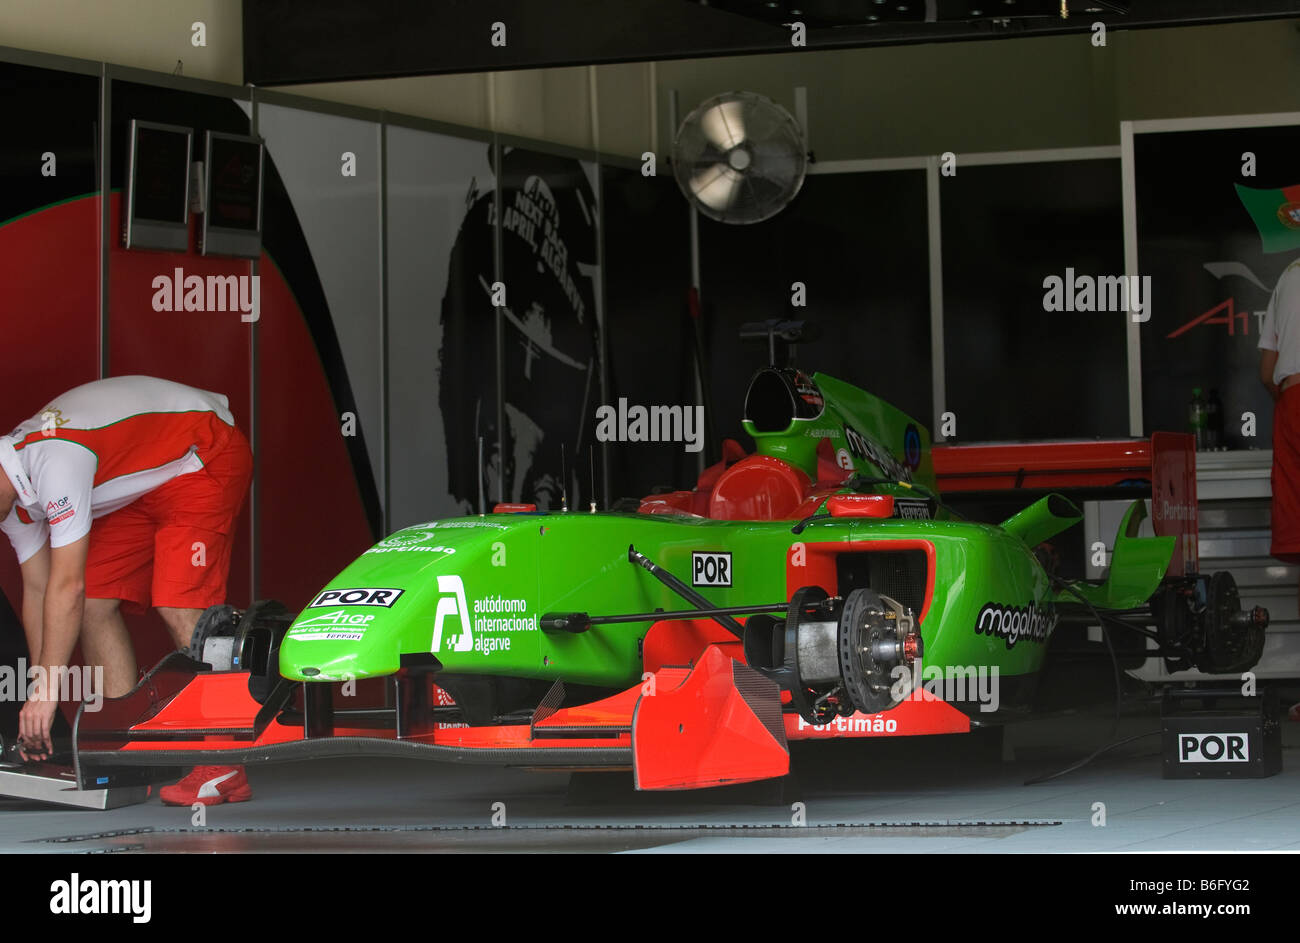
<point x="712" y="722"/>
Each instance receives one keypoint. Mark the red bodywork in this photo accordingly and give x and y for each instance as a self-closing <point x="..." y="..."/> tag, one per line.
<point x="1041" y="466"/>
<point x="744" y="487"/>
<point x="1173" y="497"/>
<point x="1166" y="463"/>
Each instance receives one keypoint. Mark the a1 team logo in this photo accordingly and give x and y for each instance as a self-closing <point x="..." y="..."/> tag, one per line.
<point x="451" y="604"/>
<point x="406" y="539"/>
<point x="60" y="510"/>
<point x="337" y="617"/>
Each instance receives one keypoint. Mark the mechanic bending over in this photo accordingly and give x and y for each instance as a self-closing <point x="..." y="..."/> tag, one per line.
<point x="121" y="492"/>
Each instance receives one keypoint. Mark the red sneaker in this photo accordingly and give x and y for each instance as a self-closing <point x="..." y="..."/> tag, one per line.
<point x="209" y="785"/>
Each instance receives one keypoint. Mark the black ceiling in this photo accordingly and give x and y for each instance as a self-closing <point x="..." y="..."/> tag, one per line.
<point x="837" y="14"/>
<point x="294" y="41"/>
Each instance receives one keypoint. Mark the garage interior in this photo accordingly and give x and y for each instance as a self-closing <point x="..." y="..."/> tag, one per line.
<point x="954" y="159"/>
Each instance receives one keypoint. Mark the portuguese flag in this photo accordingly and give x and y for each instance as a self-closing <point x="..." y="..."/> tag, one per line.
<point x="1276" y="214"/>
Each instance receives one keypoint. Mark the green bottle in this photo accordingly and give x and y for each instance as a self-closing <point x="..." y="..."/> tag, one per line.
<point x="1196" y="419"/>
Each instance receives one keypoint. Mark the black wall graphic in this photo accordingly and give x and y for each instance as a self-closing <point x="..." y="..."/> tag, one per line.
<point x="548" y="218"/>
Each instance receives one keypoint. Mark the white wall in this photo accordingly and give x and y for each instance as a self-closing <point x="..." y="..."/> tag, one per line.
<point x="1056" y="91"/>
<point x="1043" y="92"/>
<point x="145" y="34"/>
<point x="547" y="104"/>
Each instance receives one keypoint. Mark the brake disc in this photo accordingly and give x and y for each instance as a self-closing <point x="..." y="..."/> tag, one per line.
<point x="877" y="637"/>
<point x="216" y="622"/>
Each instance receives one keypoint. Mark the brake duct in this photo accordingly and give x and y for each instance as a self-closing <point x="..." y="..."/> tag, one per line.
<point x="226" y="639"/>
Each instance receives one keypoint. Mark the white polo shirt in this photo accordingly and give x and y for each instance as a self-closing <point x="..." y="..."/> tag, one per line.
<point x="100" y="446"/>
<point x="1281" y="328"/>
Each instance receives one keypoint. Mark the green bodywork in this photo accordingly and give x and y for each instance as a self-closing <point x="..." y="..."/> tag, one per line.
<point x="474" y="588"/>
<point x="850" y="419"/>
<point x="517" y="567"/>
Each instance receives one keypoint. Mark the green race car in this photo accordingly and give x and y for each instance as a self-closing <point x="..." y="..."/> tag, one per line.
<point x="816" y="588"/>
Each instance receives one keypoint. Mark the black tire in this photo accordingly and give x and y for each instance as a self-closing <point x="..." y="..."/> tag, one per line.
<point x="1228" y="649"/>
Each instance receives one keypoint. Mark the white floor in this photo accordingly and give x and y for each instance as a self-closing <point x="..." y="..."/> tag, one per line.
<point x="920" y="795"/>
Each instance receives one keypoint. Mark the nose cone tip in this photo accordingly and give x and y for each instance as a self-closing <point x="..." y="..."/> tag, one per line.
<point x="315" y="659"/>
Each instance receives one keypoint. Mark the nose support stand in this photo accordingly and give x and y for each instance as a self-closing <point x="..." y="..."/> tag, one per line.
<point x="56" y="783"/>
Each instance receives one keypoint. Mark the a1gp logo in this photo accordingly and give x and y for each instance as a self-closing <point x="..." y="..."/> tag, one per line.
<point x="452" y="603"/>
<point x="1213" y="748"/>
<point x="710" y="569"/>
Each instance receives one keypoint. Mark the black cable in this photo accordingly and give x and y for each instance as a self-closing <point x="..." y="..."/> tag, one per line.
<point x="1090" y="757"/>
<point x="1114" y="661"/>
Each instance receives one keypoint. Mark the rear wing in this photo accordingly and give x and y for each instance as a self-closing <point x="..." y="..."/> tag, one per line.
<point x="1163" y="467"/>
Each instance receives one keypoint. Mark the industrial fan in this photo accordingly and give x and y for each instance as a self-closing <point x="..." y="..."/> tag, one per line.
<point x="739" y="157"/>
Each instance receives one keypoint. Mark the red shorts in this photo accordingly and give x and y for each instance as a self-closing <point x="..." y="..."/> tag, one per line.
<point x="171" y="547"/>
<point x="1286" y="476"/>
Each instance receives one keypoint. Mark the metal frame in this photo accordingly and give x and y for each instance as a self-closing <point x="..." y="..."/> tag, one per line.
<point x="602" y="332"/>
<point x="177" y="83"/>
<point x="498" y="140"/>
<point x="499" y="321"/>
<point x="934" y="215"/>
<point x="938" y="357"/>
<point x="1045" y="155"/>
<point x="1270" y="119"/>
<point x="256" y="96"/>
<point x="44" y="784"/>
<point x="49" y="60"/>
<point x="108" y="73"/>
<point x="254" y="393"/>
<point x="693" y="243"/>
<point x="867" y="165"/>
<point x="1132" y="331"/>
<point x="1129" y="172"/>
<point x="104" y="182"/>
<point x="385" y="445"/>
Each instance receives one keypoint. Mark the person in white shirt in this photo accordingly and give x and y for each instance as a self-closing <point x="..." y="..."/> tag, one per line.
<point x="105" y="494"/>
<point x="1279" y="371"/>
